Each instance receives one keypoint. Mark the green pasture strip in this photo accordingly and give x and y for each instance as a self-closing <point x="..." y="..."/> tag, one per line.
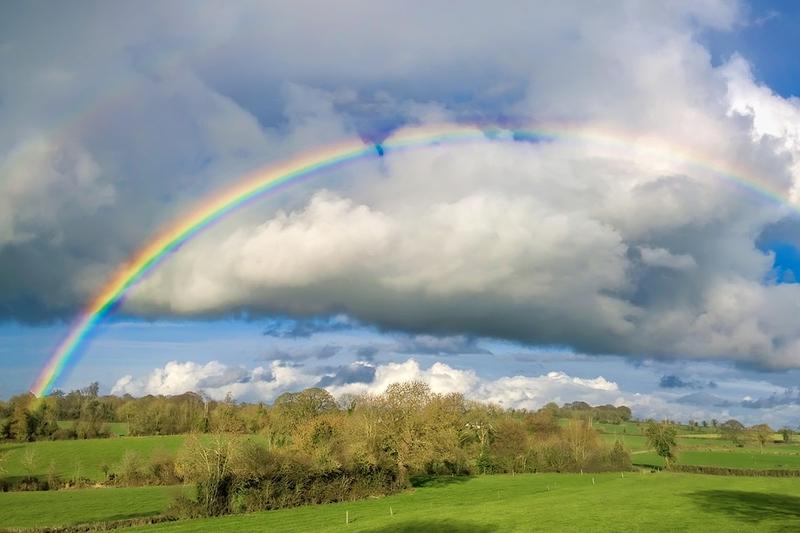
<point x="69" y="507"/>
<point x="82" y="457"/>
<point x="733" y="458"/>
<point x="546" y="502"/>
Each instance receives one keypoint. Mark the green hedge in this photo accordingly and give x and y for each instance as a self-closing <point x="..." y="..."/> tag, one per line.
<point x="726" y="471"/>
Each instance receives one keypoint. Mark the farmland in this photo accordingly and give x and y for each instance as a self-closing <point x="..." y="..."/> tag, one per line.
<point x="54" y="508"/>
<point x="80" y="458"/>
<point x="563" y="502"/>
<point x="546" y="502"/>
<point x="552" y="493"/>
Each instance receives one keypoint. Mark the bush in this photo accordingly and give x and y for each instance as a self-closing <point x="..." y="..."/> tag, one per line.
<point x="727" y="471"/>
<point x="161" y="469"/>
<point x="238" y="475"/>
<point x="131" y="469"/>
<point x="64" y="434"/>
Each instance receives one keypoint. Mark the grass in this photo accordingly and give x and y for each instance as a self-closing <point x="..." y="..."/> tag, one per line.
<point x="731" y="458"/>
<point x="546" y="502"/>
<point x="82" y="457"/>
<point x="69" y="507"/>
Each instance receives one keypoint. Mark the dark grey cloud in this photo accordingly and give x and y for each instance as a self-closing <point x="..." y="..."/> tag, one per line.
<point x="367" y="353"/>
<point x="672" y="381"/>
<point x="343" y="375"/>
<point x="289" y="327"/>
<point x="439" y="345"/>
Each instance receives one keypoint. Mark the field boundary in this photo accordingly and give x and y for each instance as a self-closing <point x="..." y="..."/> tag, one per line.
<point x="106" y="525"/>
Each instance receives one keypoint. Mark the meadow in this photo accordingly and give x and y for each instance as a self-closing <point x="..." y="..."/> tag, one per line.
<point x="70" y="459"/>
<point x="525" y="502"/>
<point x="69" y="507"/>
<point x="545" y="502"/>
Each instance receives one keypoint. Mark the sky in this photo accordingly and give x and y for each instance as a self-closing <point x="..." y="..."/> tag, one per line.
<point x="641" y="265"/>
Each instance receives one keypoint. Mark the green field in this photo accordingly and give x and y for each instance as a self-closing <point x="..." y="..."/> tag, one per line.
<point x="547" y="502"/>
<point x="65" y="507"/>
<point x="732" y="458"/>
<point x="82" y="457"/>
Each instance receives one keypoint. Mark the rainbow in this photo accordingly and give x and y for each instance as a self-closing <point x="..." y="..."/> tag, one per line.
<point x="272" y="178"/>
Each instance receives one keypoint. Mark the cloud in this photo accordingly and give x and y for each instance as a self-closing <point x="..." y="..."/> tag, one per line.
<point x="672" y="381"/>
<point x="358" y="372"/>
<point x="288" y="327"/>
<point x="788" y="397"/>
<point x="604" y="247"/>
<point x="751" y="401"/>
<point x="704" y="399"/>
<point x="216" y="380"/>
<point x="659" y="257"/>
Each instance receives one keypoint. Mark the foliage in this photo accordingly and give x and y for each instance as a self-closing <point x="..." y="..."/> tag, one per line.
<point x="732" y="430"/>
<point x="761" y="433"/>
<point x="661" y="436"/>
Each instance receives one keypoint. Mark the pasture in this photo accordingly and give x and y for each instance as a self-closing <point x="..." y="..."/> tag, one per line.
<point x="545" y="502"/>
<point x="69" y="507"/>
<point x="563" y="502"/>
<point x="79" y="458"/>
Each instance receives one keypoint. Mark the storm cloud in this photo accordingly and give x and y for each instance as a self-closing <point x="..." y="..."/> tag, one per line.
<point x="603" y="248"/>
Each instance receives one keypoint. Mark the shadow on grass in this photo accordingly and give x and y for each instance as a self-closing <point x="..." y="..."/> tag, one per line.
<point x="749" y="506"/>
<point x="443" y="526"/>
<point x="438" y="481"/>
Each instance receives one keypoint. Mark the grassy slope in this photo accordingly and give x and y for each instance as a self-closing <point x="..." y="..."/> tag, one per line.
<point x="639" y="502"/>
<point x="51" y="508"/>
<point x="86" y="456"/>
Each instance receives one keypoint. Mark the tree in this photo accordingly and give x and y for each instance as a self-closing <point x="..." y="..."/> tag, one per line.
<point x="403" y="426"/>
<point x="22" y="424"/>
<point x="91" y="390"/>
<point x="29" y="461"/>
<point x="45" y="422"/>
<point x="619" y="456"/>
<point x="209" y="465"/>
<point x="543" y="422"/>
<point x="786" y="434"/>
<point x="661" y="436"/>
<point x="732" y="430"/>
<point x="761" y="433"/>
<point x="582" y="441"/>
<point x="510" y="445"/>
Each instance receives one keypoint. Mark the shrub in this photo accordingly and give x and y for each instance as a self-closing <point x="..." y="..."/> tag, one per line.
<point x="131" y="469"/>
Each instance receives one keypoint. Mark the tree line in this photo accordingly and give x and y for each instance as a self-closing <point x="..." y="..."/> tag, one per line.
<point x="307" y="447"/>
